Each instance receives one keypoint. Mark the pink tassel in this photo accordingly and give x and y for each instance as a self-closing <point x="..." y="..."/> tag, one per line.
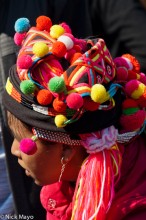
<point x="95" y="185"/>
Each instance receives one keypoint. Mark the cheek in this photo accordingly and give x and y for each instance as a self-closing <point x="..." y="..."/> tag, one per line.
<point x="44" y="167"/>
<point x="15" y="150"/>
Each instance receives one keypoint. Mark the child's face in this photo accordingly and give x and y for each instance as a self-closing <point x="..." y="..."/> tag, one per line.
<point x="45" y="165"/>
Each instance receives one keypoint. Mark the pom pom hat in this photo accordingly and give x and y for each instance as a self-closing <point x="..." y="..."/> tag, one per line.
<point x="81" y="92"/>
<point x="71" y="91"/>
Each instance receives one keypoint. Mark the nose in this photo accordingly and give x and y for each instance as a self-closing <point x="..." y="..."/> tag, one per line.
<point x="15" y="150"/>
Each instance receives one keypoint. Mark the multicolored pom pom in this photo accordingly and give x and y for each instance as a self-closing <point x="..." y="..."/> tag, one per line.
<point x="24" y="61"/>
<point x="27" y="87"/>
<point x="43" y="23"/>
<point x="22" y="25"/>
<point x="134" y="121"/>
<point x="28" y="146"/>
<point x="134" y="89"/>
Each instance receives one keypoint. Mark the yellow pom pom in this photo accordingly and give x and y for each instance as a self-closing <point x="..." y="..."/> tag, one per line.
<point x="40" y="49"/>
<point x="59" y="121"/>
<point x="56" y="31"/>
<point x="139" y="91"/>
<point x="98" y="93"/>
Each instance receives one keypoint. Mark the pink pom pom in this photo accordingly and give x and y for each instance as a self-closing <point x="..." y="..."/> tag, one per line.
<point x="66" y="27"/>
<point x="82" y="43"/>
<point x="18" y="38"/>
<point x="143" y="78"/>
<point x="74" y="101"/>
<point x="28" y="146"/>
<point x="24" y="62"/>
<point x="69" y="54"/>
<point x="119" y="61"/>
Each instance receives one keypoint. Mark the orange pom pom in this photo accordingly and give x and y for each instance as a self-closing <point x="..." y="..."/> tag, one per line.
<point x="43" y="23"/>
<point x="59" y="49"/>
<point x="44" y="97"/>
<point x="59" y="105"/>
<point x="134" y="61"/>
<point x="75" y="57"/>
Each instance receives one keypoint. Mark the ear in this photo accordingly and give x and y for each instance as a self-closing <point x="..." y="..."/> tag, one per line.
<point x="68" y="152"/>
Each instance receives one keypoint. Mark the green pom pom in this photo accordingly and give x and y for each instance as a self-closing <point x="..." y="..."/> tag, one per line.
<point x="27" y="87"/>
<point x="57" y="84"/>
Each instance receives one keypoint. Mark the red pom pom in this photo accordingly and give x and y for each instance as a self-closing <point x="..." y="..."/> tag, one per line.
<point x="59" y="105"/>
<point x="122" y="73"/>
<point x="43" y="23"/>
<point x="44" y="97"/>
<point x="59" y="49"/>
<point x="24" y="62"/>
<point x="131" y="75"/>
<point x="129" y="103"/>
<point x="77" y="48"/>
<point x="74" y="101"/>
<point x="18" y="38"/>
<point x="28" y="146"/>
<point x="89" y="105"/>
<point x="134" y="121"/>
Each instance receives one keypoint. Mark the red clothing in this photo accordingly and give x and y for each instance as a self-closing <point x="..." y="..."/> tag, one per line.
<point x="57" y="200"/>
<point x="130" y="193"/>
<point x="130" y="198"/>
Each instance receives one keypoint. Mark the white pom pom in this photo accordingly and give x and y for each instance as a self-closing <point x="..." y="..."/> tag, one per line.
<point x="67" y="41"/>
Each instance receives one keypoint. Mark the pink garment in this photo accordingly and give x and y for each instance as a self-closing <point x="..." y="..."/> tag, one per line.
<point x="130" y="193"/>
